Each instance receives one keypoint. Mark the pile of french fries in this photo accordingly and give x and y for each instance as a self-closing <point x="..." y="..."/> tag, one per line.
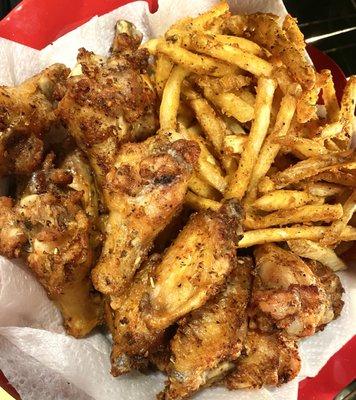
<point x="243" y="89"/>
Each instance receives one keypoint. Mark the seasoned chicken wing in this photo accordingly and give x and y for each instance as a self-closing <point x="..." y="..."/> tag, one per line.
<point x="110" y="101"/>
<point x="268" y="359"/>
<point x="143" y="191"/>
<point x="192" y="270"/>
<point x="48" y="227"/>
<point x="26" y="114"/>
<point x="210" y="338"/>
<point x="287" y="294"/>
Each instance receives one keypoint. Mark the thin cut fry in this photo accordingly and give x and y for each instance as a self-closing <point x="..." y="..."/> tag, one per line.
<point x="308" y="213"/>
<point x="201" y="188"/>
<point x="151" y="45"/>
<point x="329" y="97"/>
<point x="195" y="62"/>
<point x="234" y="144"/>
<point x="214" y="12"/>
<point x="285" y="200"/>
<point x="163" y="69"/>
<point x="260" y="236"/>
<point x="207" y="44"/>
<point x="231" y="105"/>
<point x="270" y="149"/>
<point x="240" y="180"/>
<point x="349" y="208"/>
<point x="322" y="189"/>
<point x="242" y="43"/>
<point x="200" y="203"/>
<point x="293" y="33"/>
<point x="315" y="251"/>
<point x="347" y="111"/>
<point x="302" y="147"/>
<point x="170" y="98"/>
<point x="247" y="96"/>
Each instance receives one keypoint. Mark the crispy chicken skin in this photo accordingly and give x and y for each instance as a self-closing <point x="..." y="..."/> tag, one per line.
<point x="192" y="270"/>
<point x="26" y="114"/>
<point x="143" y="192"/>
<point x="194" y="267"/>
<point x="48" y="227"/>
<point x="268" y="359"/>
<point x="130" y="332"/>
<point x="110" y="101"/>
<point x="210" y="338"/>
<point x="287" y="294"/>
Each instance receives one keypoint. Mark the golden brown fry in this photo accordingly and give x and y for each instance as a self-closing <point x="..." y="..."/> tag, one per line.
<point x="234" y="144"/>
<point x="244" y="44"/>
<point x="214" y="12"/>
<point x="199" y="203"/>
<point x="194" y="62"/>
<point x="207" y="44"/>
<point x="163" y="69"/>
<point x="347" y="110"/>
<point x="231" y="105"/>
<point x="322" y="189"/>
<point x="301" y="147"/>
<point x="270" y="149"/>
<point x="308" y="213"/>
<point x="199" y="186"/>
<point x="151" y="45"/>
<point x="285" y="200"/>
<point x="247" y="96"/>
<point x="314" y="251"/>
<point x="170" y="99"/>
<point x="329" y="97"/>
<point x="260" y="236"/>
<point x="227" y="83"/>
<point x="293" y="33"/>
<point x="240" y="180"/>
<point x="349" y="208"/>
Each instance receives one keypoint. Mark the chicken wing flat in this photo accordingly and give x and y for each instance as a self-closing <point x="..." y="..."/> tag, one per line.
<point x="48" y="227"/>
<point x="195" y="266"/>
<point x="268" y="359"/>
<point x="143" y="192"/>
<point x="110" y="101"/>
<point x="26" y="114"/>
<point x="192" y="270"/>
<point x="210" y="338"/>
<point x="287" y="294"/>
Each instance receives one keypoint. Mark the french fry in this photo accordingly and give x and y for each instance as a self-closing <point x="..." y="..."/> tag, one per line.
<point x="207" y="44"/>
<point x="270" y="149"/>
<point x="151" y="45"/>
<point x="315" y="251"/>
<point x="260" y="236"/>
<point x="239" y="181"/>
<point x="285" y="200"/>
<point x="199" y="203"/>
<point x="214" y="12"/>
<point x="347" y="110"/>
<point x="308" y="168"/>
<point x="308" y="213"/>
<point x="345" y="178"/>
<point x="194" y="62"/>
<point x="349" y="208"/>
<point x="170" y="98"/>
<point x="227" y="83"/>
<point x="293" y="33"/>
<point x="306" y="105"/>
<point x="265" y="31"/>
<point x="199" y="186"/>
<point x="302" y="147"/>
<point x="163" y="69"/>
<point x="231" y="105"/>
<point x="234" y="144"/>
<point x="332" y="130"/>
<point x="213" y="127"/>
<point x="185" y="115"/>
<point x="242" y="43"/>
<point x="322" y="189"/>
<point x="330" y="99"/>
<point x="233" y="125"/>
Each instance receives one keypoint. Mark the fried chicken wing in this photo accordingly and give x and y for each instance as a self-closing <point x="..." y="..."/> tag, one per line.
<point x="287" y="294"/>
<point x="48" y="227"/>
<point x="110" y="101"/>
<point x="195" y="266"/>
<point x="268" y="359"/>
<point x="211" y="337"/>
<point x="26" y="114"/>
<point x="192" y="270"/>
<point x="143" y="192"/>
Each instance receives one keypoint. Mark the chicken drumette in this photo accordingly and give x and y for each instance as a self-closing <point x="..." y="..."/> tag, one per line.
<point x="291" y="295"/>
<point x="49" y="228"/>
<point x="26" y="115"/>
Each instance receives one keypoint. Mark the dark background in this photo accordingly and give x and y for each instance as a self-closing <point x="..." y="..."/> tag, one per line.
<point x="316" y="17"/>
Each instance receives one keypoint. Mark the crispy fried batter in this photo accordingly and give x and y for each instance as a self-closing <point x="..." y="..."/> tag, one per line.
<point x="210" y="338"/>
<point x="111" y="100"/>
<point x="287" y="294"/>
<point x="143" y="192"/>
<point x="26" y="114"/>
<point x="267" y="360"/>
